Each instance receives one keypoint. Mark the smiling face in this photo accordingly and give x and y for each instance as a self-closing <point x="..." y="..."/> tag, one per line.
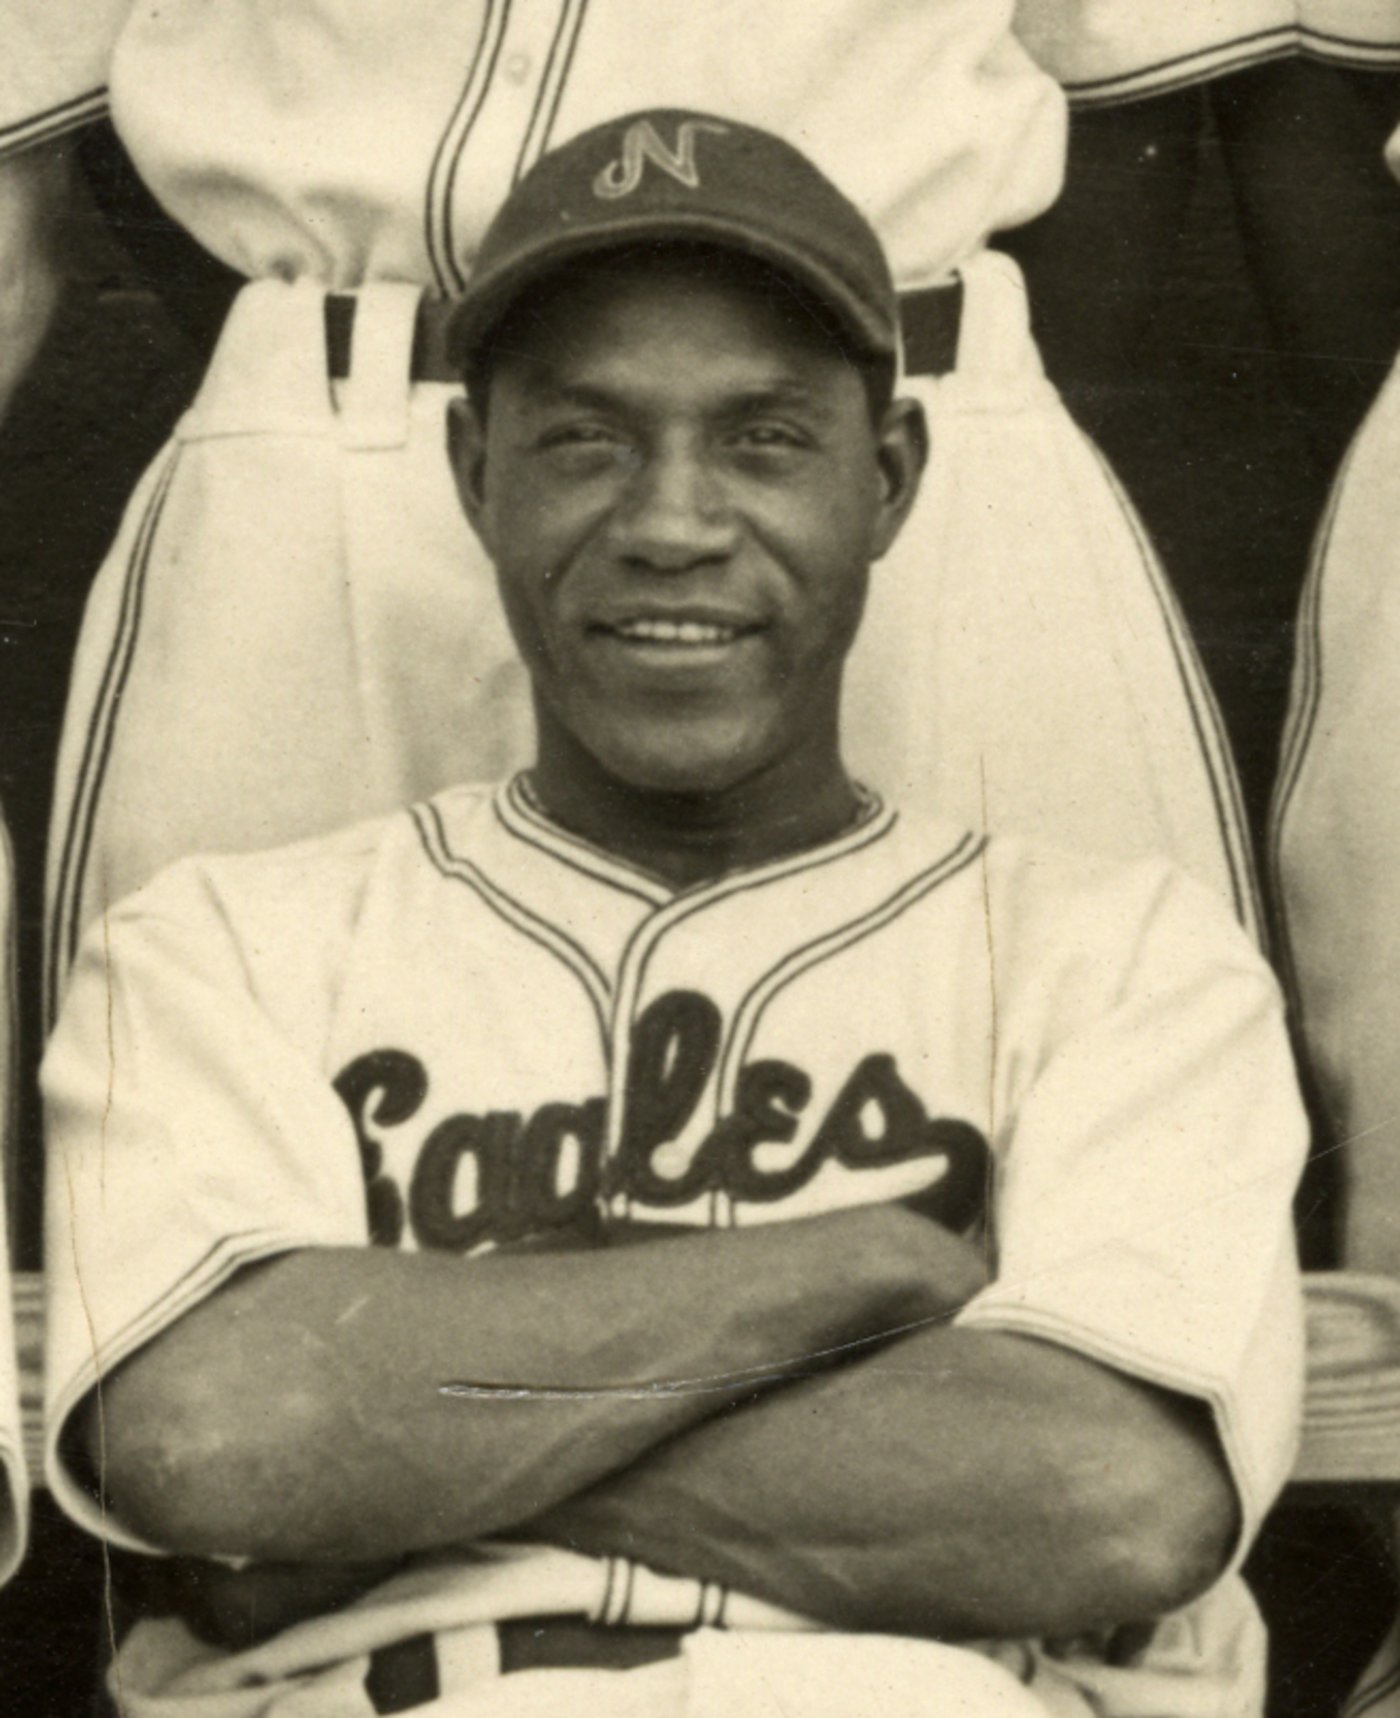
<point x="682" y="489"/>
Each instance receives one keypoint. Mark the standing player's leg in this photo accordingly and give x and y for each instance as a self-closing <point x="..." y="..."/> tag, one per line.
<point x="1319" y="217"/>
<point x="1096" y="261"/>
<point x="1023" y="665"/>
<point x="305" y="666"/>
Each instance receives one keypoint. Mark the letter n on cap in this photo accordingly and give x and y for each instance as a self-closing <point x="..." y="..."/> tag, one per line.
<point x="642" y="143"/>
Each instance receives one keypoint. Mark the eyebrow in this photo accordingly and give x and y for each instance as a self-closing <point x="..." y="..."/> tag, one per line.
<point x="779" y="393"/>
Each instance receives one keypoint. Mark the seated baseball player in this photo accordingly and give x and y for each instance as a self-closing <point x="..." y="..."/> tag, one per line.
<point x="668" y="1233"/>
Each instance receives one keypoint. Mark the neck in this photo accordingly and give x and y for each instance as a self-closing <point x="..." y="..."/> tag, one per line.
<point x="688" y="838"/>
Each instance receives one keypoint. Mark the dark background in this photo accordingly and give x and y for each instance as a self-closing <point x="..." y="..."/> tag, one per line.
<point x="1155" y="313"/>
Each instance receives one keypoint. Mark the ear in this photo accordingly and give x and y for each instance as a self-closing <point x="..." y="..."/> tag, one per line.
<point x="901" y="454"/>
<point x="466" y="452"/>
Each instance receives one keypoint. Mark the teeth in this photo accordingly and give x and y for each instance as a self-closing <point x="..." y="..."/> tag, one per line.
<point x="678" y="631"/>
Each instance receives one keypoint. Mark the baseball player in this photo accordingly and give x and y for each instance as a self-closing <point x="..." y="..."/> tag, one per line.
<point x="1334" y="842"/>
<point x="960" y="1304"/>
<point x="1335" y="832"/>
<point x="278" y="639"/>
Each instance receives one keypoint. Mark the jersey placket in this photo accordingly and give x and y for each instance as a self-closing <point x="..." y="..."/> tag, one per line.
<point x="748" y="966"/>
<point x="628" y="992"/>
<point x="501" y="123"/>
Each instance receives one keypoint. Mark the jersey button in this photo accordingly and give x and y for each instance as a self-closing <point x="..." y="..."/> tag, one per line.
<point x="517" y="68"/>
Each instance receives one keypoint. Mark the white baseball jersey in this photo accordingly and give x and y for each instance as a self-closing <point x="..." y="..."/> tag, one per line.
<point x="462" y="1026"/>
<point x="352" y="140"/>
<point x="1106" y="51"/>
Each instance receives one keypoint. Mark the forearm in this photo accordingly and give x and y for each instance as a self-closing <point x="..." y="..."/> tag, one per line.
<point x="956" y="1485"/>
<point x="299" y="1414"/>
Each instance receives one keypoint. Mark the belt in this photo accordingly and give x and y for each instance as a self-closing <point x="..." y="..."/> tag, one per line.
<point x="404" y="1675"/>
<point x="929" y="320"/>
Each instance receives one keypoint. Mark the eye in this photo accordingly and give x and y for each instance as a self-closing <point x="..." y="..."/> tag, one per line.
<point x="771" y="433"/>
<point x="576" y="435"/>
<point x="584" y="446"/>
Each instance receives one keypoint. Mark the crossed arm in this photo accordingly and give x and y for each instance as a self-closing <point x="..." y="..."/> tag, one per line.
<point x="848" y="1454"/>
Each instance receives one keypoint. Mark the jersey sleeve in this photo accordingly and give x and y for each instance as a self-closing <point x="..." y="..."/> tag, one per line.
<point x="53" y="71"/>
<point x="191" y="1132"/>
<point x="1143" y="1212"/>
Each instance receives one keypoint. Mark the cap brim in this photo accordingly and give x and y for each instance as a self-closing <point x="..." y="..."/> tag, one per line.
<point x="489" y="296"/>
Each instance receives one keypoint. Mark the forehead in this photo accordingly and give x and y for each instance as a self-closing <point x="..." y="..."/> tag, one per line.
<point x="698" y="320"/>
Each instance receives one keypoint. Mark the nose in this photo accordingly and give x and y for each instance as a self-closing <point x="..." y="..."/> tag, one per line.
<point x="673" y="514"/>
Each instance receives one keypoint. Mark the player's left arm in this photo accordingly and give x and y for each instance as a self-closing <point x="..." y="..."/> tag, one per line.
<point x="962" y="1483"/>
<point x="957" y="1484"/>
<point x="1099" y="1431"/>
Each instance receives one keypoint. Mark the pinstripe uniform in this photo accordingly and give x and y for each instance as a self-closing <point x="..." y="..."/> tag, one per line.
<point x="1105" y="51"/>
<point x="1334" y="852"/>
<point x="1336" y="818"/>
<point x="277" y="640"/>
<point x="462" y="1027"/>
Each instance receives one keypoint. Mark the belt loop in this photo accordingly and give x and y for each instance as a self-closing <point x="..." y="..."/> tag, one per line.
<point x="996" y="334"/>
<point x="374" y="396"/>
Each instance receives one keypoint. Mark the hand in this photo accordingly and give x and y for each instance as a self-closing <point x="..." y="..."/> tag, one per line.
<point x="239" y="1608"/>
<point x="922" y="1270"/>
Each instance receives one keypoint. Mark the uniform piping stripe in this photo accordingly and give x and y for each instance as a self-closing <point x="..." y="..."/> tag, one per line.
<point x="1205" y="719"/>
<point x="649" y="933"/>
<point x="431" y="832"/>
<point x="1309" y="647"/>
<point x="214" y="1266"/>
<point x="1330" y="39"/>
<point x="551" y="90"/>
<point x="1302" y="717"/>
<point x="1132" y="89"/>
<point x="1220" y="55"/>
<point x="528" y="826"/>
<point x="97" y="747"/>
<point x="1049" y="1325"/>
<point x="751" y="1010"/>
<point x="1203" y="64"/>
<point x="1367" y="1698"/>
<point x="1364" y="57"/>
<point x="607" y="1589"/>
<point x="437" y="210"/>
<point x="685" y="906"/>
<point x="53" y="121"/>
<point x="1210" y="733"/>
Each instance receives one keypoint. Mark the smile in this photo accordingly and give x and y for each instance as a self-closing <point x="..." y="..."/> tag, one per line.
<point x="680" y="633"/>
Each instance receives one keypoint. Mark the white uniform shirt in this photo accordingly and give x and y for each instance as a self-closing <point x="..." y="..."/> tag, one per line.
<point x="461" y="1025"/>
<point x="348" y="140"/>
<point x="1104" y="51"/>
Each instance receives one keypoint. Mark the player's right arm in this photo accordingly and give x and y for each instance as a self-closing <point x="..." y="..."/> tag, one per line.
<point x="233" y="1368"/>
<point x="297" y="1414"/>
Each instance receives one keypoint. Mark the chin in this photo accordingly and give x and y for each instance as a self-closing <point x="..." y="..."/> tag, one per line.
<point x="685" y="770"/>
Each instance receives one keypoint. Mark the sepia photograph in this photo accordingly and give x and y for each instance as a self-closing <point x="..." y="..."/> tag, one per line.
<point x="700" y="859"/>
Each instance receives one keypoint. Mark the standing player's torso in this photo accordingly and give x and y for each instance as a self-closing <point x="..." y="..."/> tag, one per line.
<point x="1106" y="51"/>
<point x="528" y="1033"/>
<point x="360" y="139"/>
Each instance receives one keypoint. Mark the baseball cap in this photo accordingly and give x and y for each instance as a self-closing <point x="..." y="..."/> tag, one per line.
<point x="671" y="174"/>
